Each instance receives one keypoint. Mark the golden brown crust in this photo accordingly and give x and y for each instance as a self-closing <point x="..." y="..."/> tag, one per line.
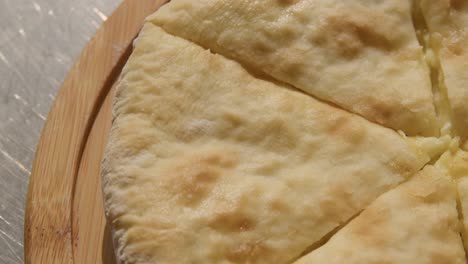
<point x="363" y="56"/>
<point x="417" y="222"/>
<point x="208" y="164"/>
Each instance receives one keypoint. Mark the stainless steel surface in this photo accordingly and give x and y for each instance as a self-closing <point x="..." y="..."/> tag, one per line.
<point x="39" y="41"/>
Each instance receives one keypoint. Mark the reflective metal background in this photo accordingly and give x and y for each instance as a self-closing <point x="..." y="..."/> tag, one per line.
<point x="39" y="41"/>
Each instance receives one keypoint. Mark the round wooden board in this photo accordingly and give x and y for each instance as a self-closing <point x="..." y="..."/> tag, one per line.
<point x="64" y="221"/>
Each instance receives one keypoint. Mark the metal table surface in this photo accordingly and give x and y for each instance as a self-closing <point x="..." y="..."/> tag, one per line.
<point x="39" y="41"/>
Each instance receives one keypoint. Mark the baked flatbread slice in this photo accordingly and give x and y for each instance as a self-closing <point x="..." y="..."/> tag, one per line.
<point x="456" y="164"/>
<point x="448" y="27"/>
<point x="208" y="164"/>
<point x="361" y="55"/>
<point x="417" y="222"/>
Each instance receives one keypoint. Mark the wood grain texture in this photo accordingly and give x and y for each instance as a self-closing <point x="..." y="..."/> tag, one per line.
<point x="49" y="237"/>
<point x="92" y="242"/>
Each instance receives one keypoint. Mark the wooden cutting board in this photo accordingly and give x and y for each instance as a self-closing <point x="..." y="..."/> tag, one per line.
<point x="64" y="221"/>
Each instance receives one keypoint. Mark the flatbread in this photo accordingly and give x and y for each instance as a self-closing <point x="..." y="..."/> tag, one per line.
<point x="208" y="164"/>
<point x="455" y="162"/>
<point x="361" y="55"/>
<point x="417" y="222"/>
<point x="448" y="27"/>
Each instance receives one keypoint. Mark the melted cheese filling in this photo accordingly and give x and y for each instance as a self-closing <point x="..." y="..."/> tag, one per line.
<point x="439" y="88"/>
<point x="432" y="146"/>
<point x="431" y="43"/>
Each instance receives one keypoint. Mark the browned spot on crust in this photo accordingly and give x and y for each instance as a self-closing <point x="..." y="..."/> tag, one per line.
<point x="371" y="225"/>
<point x="289" y="62"/>
<point x="344" y="127"/>
<point x="223" y="160"/>
<point x="232" y="222"/>
<point x="234" y="119"/>
<point x="350" y="35"/>
<point x="215" y="63"/>
<point x="281" y="132"/>
<point x="195" y="182"/>
<point x="269" y="168"/>
<point x="195" y="178"/>
<point x="337" y="203"/>
<point x="262" y="47"/>
<point x="440" y="256"/>
<point x="247" y="252"/>
<point x="287" y="2"/>
<point x="279" y="205"/>
<point x="381" y="111"/>
<point x="457" y="4"/>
